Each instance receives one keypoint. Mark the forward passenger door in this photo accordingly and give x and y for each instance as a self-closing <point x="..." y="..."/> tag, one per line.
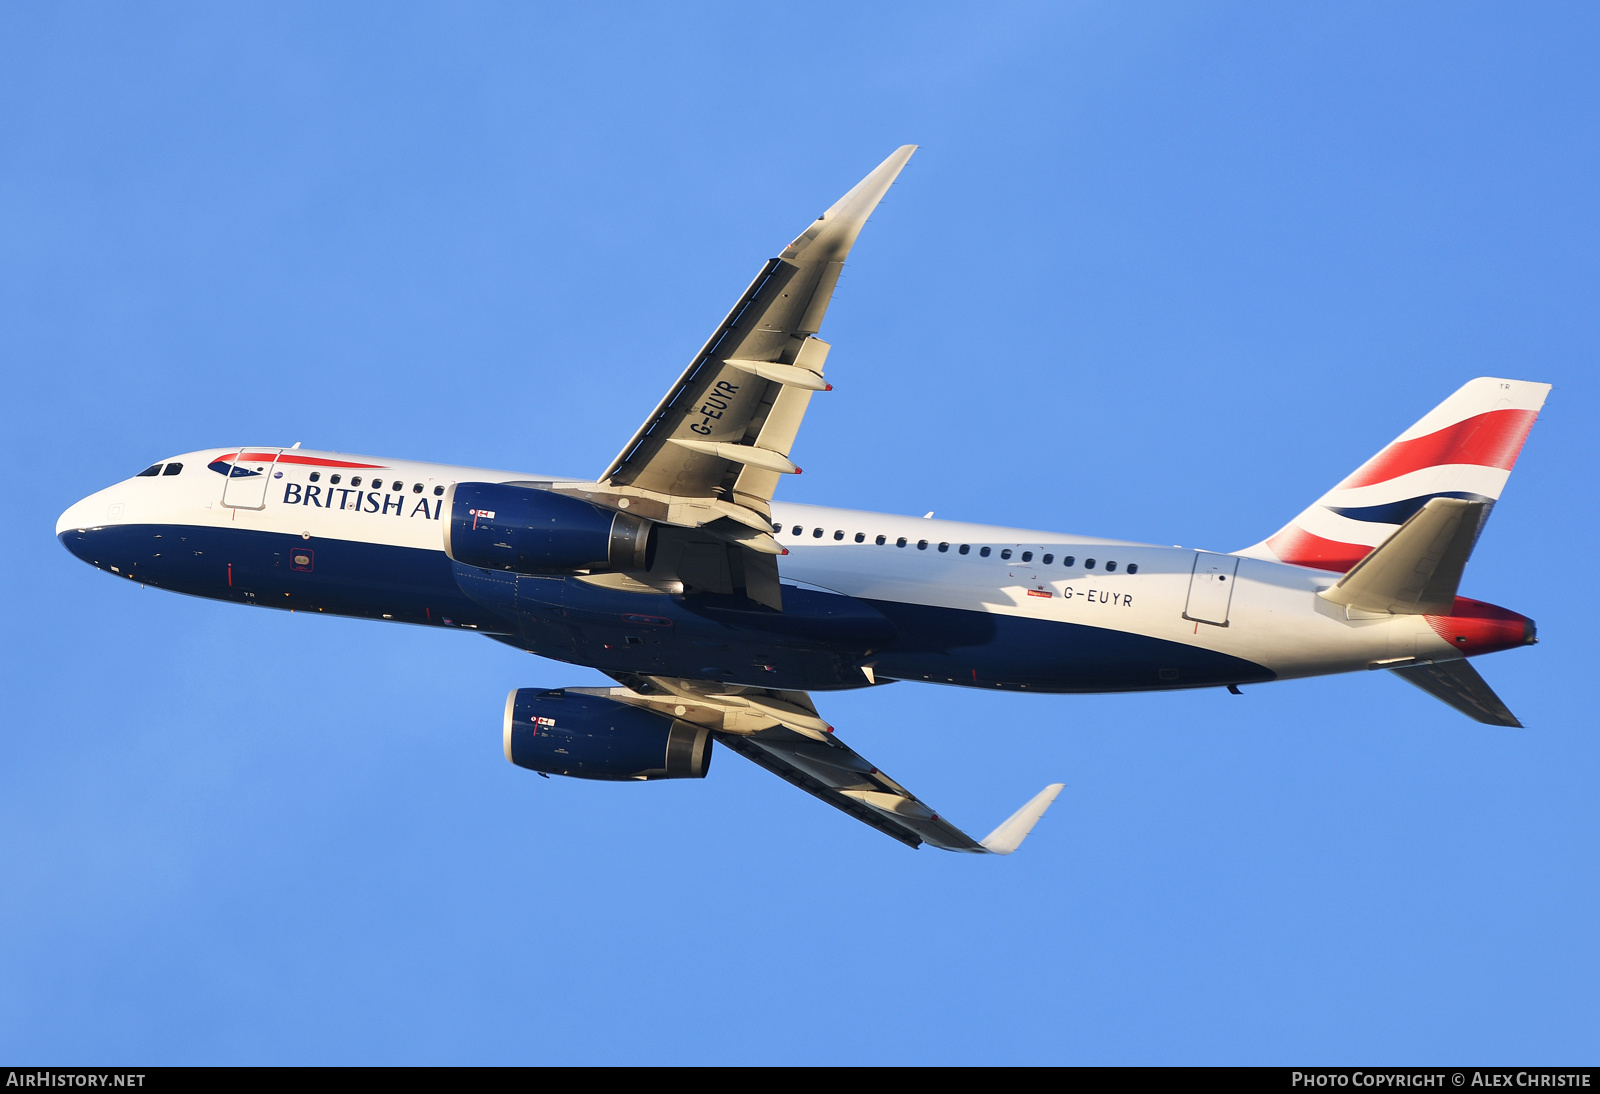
<point x="249" y="474"/>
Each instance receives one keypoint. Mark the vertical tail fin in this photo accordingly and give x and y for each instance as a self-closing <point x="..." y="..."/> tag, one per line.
<point x="1463" y="448"/>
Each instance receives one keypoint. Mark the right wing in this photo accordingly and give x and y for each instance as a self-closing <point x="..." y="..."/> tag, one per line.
<point x="782" y="732"/>
<point x="839" y="776"/>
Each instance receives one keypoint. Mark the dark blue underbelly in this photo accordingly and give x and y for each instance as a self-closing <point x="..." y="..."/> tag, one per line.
<point x="339" y="577"/>
<point x="819" y="642"/>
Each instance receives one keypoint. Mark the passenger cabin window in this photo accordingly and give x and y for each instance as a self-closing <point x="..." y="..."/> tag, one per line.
<point x="922" y="545"/>
<point x="437" y="490"/>
<point x="316" y="476"/>
<point x="1048" y="559"/>
<point x="983" y="552"/>
<point x="965" y="547"/>
<point x="1133" y="567"/>
<point x="901" y="542"/>
<point x="1027" y="556"/>
<point x="880" y="541"/>
<point x="861" y="537"/>
<point x="377" y="484"/>
<point x="838" y="534"/>
<point x="150" y="472"/>
<point x="1068" y="561"/>
<point x="356" y="481"/>
<point x="1088" y="564"/>
<point x="417" y="489"/>
<point x="816" y="533"/>
<point x="796" y="530"/>
<point x="1111" y="566"/>
<point x="1006" y="553"/>
<point x="334" y="480"/>
<point x="944" y="547"/>
<point x="172" y="469"/>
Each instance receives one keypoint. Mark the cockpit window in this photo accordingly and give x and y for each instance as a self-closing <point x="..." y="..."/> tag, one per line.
<point x="173" y="469"/>
<point x="150" y="472"/>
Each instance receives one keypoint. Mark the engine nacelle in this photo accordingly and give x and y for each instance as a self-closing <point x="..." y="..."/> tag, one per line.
<point x="502" y="527"/>
<point x="592" y="737"/>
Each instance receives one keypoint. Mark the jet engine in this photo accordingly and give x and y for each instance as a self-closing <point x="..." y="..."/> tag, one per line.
<point x="499" y="526"/>
<point x="592" y="737"/>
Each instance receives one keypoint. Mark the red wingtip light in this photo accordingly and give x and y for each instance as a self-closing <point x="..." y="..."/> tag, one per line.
<point x="785" y="550"/>
<point x="828" y="388"/>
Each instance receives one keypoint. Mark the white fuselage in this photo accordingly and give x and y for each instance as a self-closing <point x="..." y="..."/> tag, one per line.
<point x="1262" y="612"/>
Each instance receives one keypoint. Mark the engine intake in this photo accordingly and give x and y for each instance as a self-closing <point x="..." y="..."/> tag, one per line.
<point x="527" y="531"/>
<point x="592" y="737"/>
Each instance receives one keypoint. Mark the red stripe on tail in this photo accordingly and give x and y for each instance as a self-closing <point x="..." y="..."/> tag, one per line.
<point x="1299" y="547"/>
<point x="1491" y="439"/>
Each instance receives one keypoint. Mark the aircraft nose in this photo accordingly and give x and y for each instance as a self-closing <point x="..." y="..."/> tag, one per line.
<point x="72" y="529"/>
<point x="75" y="517"/>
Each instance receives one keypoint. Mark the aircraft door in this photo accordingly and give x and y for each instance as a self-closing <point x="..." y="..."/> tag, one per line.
<point x="249" y="475"/>
<point x="1211" y="588"/>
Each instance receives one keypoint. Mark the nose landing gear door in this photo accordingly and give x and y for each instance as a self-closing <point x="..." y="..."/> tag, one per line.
<point x="249" y="474"/>
<point x="1211" y="588"/>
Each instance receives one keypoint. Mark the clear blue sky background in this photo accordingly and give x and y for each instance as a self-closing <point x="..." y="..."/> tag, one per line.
<point x="1161" y="272"/>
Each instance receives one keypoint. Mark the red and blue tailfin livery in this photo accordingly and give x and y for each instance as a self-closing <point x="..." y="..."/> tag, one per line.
<point x="1463" y="449"/>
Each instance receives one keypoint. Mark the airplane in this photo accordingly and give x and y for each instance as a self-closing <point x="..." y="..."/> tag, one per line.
<point x="718" y="611"/>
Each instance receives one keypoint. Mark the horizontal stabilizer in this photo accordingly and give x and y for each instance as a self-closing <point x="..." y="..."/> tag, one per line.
<point x="1458" y="683"/>
<point x="1417" y="569"/>
<point x="1009" y="836"/>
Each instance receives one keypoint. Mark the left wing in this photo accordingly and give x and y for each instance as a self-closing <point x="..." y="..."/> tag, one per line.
<point x="782" y="732"/>
<point x="710" y="455"/>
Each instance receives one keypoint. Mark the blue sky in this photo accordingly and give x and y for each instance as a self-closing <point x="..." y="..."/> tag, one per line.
<point x="1159" y="272"/>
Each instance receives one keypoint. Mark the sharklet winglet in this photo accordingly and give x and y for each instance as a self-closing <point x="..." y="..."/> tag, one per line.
<point x="1009" y="836"/>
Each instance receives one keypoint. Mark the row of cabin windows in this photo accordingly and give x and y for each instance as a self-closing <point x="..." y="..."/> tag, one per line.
<point x="376" y="484"/>
<point x="965" y="548"/>
<point x="155" y="469"/>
